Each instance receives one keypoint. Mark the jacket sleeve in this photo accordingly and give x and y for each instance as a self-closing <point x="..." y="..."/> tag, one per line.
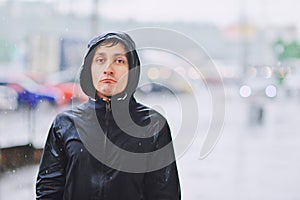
<point x="163" y="184"/>
<point x="51" y="175"/>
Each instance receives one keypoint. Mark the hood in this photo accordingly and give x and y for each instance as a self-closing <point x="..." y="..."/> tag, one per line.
<point x="133" y="61"/>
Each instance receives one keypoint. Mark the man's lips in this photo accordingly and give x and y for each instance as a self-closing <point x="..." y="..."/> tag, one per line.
<point x="108" y="80"/>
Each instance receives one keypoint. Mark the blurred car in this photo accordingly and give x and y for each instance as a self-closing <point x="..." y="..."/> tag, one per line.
<point x="153" y="88"/>
<point x="66" y="82"/>
<point x="30" y="93"/>
<point x="259" y="85"/>
<point x="258" y="88"/>
<point x="8" y="98"/>
<point x="71" y="92"/>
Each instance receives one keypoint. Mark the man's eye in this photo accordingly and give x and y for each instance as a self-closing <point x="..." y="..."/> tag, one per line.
<point x="99" y="60"/>
<point x="120" y="61"/>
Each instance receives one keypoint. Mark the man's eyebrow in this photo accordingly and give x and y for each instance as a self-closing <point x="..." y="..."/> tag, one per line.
<point x="116" y="54"/>
<point x="100" y="53"/>
<point x="119" y="54"/>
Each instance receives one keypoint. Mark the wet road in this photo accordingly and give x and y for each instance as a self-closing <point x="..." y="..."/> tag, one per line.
<point x="250" y="161"/>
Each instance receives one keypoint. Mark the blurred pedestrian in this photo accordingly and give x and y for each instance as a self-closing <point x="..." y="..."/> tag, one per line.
<point x="88" y="150"/>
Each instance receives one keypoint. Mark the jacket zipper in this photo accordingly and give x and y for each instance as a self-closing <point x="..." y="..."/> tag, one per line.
<point x="107" y="113"/>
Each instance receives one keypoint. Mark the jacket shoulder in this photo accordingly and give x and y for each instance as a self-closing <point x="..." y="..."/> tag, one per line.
<point x="148" y="110"/>
<point x="64" y="124"/>
<point x="70" y="114"/>
<point x="150" y="115"/>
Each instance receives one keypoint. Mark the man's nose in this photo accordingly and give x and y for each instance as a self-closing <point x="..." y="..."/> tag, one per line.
<point x="108" y="70"/>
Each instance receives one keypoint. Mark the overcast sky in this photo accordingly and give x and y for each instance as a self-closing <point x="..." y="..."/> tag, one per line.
<point x="220" y="12"/>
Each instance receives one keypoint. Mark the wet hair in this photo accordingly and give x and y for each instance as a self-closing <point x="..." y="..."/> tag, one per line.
<point x="111" y="41"/>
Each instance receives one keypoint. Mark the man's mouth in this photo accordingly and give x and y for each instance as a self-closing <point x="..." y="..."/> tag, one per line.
<point x="108" y="80"/>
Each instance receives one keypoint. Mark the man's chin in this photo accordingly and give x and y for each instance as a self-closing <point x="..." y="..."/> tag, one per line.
<point x="104" y="94"/>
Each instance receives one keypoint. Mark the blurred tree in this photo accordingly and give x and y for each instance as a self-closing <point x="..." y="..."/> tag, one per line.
<point x="286" y="50"/>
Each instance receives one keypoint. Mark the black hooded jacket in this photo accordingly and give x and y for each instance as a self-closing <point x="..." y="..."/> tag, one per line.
<point x="91" y="154"/>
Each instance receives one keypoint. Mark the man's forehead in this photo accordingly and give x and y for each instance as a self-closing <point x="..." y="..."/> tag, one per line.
<point x="109" y="48"/>
<point x="109" y="43"/>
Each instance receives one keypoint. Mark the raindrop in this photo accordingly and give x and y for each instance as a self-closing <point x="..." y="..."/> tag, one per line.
<point x="46" y="172"/>
<point x="140" y="144"/>
<point x="60" y="149"/>
<point x="25" y="156"/>
<point x="13" y="171"/>
<point x="81" y="150"/>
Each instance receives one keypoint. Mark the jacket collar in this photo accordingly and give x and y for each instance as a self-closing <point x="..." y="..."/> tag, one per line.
<point x="119" y="100"/>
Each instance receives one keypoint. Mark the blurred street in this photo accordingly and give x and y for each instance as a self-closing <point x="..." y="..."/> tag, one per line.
<point x="187" y="49"/>
<point x="250" y="161"/>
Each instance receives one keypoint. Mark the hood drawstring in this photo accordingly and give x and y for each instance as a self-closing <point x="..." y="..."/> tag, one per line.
<point x="122" y="98"/>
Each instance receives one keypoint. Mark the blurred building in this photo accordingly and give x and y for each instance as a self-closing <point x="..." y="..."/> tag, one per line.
<point x="43" y="53"/>
<point x="56" y="40"/>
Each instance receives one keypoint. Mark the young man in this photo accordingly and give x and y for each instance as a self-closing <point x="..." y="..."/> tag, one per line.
<point x="110" y="147"/>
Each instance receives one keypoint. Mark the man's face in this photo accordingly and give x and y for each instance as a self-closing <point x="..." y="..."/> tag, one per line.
<point x="110" y="69"/>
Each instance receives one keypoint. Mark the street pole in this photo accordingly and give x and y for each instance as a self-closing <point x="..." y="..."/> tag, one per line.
<point x="94" y="18"/>
<point x="243" y="37"/>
